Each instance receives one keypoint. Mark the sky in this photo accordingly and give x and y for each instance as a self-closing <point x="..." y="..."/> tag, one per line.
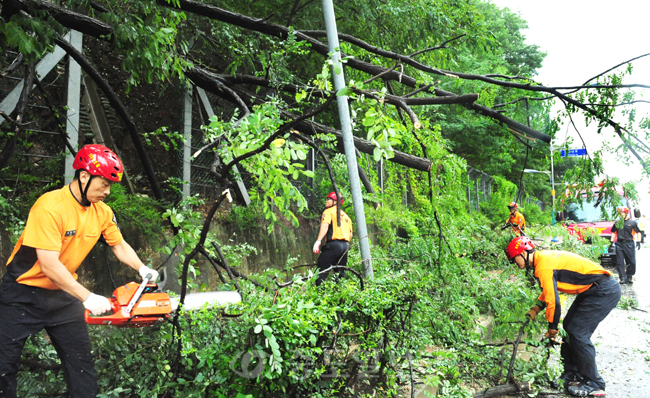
<point x="583" y="39"/>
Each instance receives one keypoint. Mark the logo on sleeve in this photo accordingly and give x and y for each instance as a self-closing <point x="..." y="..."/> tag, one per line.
<point x="71" y="233"/>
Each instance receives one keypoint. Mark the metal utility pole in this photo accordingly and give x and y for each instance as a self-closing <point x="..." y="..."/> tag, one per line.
<point x="348" y="141"/>
<point x="553" y="221"/>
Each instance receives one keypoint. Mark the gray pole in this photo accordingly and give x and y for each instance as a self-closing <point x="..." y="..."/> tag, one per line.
<point x="552" y="185"/>
<point x="72" y="113"/>
<point x="187" y="135"/>
<point x="348" y="141"/>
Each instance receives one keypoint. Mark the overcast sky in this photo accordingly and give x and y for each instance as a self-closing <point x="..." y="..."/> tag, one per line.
<point x="583" y="39"/>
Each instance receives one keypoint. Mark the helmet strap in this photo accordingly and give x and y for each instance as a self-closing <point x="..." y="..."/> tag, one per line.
<point x="530" y="264"/>
<point x="84" y="199"/>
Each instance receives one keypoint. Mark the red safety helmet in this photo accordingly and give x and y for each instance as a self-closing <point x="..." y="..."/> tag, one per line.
<point x="513" y="205"/>
<point x="332" y="196"/>
<point x="623" y="210"/>
<point x="99" y="161"/>
<point x="518" y="245"/>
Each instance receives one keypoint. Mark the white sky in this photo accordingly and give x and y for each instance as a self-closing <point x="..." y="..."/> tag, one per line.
<point x="583" y="39"/>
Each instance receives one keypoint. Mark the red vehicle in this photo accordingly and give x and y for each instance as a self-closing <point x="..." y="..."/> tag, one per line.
<point x="577" y="217"/>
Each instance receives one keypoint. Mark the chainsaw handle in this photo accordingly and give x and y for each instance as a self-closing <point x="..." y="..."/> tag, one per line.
<point x="97" y="320"/>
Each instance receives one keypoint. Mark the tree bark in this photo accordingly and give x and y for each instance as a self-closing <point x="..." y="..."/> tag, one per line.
<point x="365" y="180"/>
<point x="65" y="17"/>
<point x="503" y="390"/>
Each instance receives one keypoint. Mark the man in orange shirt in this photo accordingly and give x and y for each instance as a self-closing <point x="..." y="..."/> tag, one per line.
<point x="597" y="294"/>
<point x="516" y="219"/>
<point x="338" y="233"/>
<point x="40" y="289"/>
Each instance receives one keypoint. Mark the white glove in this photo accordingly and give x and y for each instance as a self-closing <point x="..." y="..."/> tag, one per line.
<point x="316" y="249"/>
<point x="97" y="304"/>
<point x="144" y="270"/>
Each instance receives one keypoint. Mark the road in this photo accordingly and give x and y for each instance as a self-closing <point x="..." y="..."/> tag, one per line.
<point x="622" y="340"/>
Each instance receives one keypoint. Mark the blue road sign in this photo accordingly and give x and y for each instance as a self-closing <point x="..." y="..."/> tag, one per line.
<point x="574" y="152"/>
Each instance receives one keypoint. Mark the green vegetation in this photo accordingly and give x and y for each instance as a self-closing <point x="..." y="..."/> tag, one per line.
<point x="444" y="305"/>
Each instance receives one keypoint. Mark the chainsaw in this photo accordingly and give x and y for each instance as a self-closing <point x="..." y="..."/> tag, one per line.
<point x="135" y="305"/>
<point x="144" y="304"/>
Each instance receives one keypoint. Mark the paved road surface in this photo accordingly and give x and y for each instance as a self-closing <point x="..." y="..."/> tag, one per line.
<point x="623" y="339"/>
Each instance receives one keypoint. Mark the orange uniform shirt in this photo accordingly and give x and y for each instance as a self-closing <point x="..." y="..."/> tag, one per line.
<point x="560" y="271"/>
<point x="334" y="232"/>
<point x="517" y="219"/>
<point x="57" y="222"/>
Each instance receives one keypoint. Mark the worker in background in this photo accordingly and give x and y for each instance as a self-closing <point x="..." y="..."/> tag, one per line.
<point x="597" y="294"/>
<point x="641" y="223"/>
<point x="625" y="232"/>
<point x="338" y="233"/>
<point x="516" y="220"/>
<point x="40" y="289"/>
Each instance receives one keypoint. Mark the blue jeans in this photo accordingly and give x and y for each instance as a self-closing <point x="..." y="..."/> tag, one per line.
<point x="586" y="312"/>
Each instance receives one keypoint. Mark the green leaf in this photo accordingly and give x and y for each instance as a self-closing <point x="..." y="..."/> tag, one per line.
<point x="344" y="91"/>
<point x="376" y="154"/>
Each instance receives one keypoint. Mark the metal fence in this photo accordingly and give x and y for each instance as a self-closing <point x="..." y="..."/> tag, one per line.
<point x="479" y="188"/>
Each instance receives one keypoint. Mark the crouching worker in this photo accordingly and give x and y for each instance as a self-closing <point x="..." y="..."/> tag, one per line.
<point x="597" y="294"/>
<point x="40" y="289"/>
<point x="338" y="233"/>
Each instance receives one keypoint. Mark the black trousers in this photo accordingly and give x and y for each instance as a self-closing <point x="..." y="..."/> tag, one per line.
<point x="25" y="311"/>
<point x="587" y="311"/>
<point x="625" y="254"/>
<point x="332" y="253"/>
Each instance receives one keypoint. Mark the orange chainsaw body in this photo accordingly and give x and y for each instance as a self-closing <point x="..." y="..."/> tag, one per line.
<point x="151" y="307"/>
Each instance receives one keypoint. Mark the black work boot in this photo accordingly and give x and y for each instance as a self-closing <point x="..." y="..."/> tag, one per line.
<point x="586" y="389"/>
<point x="566" y="379"/>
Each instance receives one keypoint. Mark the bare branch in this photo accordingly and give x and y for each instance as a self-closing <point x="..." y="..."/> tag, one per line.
<point x="620" y="104"/>
<point x="14" y="65"/>
<point x="616" y="126"/>
<point x="614" y="67"/>
<point x="443" y="45"/>
<point x="199" y="245"/>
